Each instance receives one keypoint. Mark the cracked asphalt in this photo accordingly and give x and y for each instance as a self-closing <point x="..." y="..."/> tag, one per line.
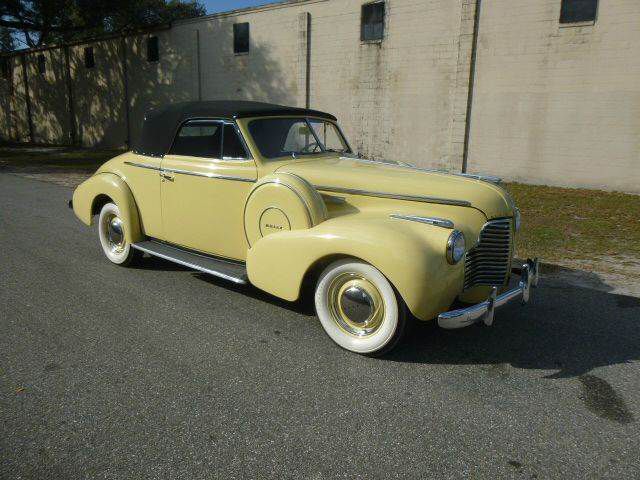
<point x="159" y="372"/>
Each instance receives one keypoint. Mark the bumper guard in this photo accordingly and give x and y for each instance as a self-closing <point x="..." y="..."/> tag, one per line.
<point x="484" y="311"/>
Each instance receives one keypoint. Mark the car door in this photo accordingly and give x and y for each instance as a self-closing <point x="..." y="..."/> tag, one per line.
<point x="205" y="180"/>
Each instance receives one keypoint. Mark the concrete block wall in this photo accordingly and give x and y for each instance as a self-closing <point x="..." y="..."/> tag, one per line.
<point x="558" y="105"/>
<point x="14" y="125"/>
<point x="98" y="95"/>
<point x="550" y="104"/>
<point x="174" y="78"/>
<point x="269" y="72"/>
<point x="393" y="98"/>
<point x="49" y="107"/>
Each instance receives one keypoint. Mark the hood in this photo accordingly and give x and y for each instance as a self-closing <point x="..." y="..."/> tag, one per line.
<point x="350" y="175"/>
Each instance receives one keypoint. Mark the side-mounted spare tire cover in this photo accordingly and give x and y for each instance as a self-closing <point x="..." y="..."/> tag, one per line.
<point x="280" y="202"/>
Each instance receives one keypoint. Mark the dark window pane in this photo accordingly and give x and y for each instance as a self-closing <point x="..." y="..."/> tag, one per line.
<point x="89" y="61"/>
<point x="6" y="68"/>
<point x="372" y="21"/>
<point x="198" y="139"/>
<point x="153" y="50"/>
<point x="232" y="146"/>
<point x="578" y="11"/>
<point x="241" y="38"/>
<point x="42" y="64"/>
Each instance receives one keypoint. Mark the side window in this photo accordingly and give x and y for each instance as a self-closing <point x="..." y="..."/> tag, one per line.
<point x="198" y="138"/>
<point x="42" y="64"/>
<point x="329" y="136"/>
<point x="576" y="11"/>
<point x="89" y="60"/>
<point x="241" y="38"/>
<point x="153" y="49"/>
<point x="372" y="22"/>
<point x="232" y="146"/>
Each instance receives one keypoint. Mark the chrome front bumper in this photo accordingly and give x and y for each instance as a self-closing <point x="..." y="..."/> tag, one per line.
<point x="484" y="312"/>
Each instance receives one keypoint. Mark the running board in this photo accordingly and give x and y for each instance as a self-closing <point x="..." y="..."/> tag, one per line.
<point x="234" y="272"/>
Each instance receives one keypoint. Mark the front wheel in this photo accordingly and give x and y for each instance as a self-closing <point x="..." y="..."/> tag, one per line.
<point x="112" y="236"/>
<point x="358" y="307"/>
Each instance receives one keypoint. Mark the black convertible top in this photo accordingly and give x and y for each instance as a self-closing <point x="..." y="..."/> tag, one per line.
<point x="160" y="125"/>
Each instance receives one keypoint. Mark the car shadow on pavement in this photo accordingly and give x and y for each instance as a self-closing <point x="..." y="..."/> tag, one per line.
<point x="304" y="306"/>
<point x="569" y="330"/>
<point x="566" y="329"/>
<point x="149" y="262"/>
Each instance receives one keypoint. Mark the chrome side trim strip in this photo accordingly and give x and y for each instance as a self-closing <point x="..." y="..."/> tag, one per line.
<point x="485" y="178"/>
<point x="237" y="280"/>
<point x="436" y="221"/>
<point x="142" y="165"/>
<point x="208" y="175"/>
<point x="411" y="198"/>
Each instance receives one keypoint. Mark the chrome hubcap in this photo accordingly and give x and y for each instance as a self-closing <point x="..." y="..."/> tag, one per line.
<point x="356" y="304"/>
<point x="115" y="233"/>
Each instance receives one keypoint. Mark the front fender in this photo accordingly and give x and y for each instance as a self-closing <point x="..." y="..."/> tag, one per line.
<point x="112" y="186"/>
<point x="411" y="255"/>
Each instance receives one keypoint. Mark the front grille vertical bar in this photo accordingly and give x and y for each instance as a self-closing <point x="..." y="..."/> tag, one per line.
<point x="489" y="261"/>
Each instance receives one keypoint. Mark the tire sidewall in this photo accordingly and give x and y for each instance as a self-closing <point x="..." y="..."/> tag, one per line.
<point x="391" y="324"/>
<point x="118" y="258"/>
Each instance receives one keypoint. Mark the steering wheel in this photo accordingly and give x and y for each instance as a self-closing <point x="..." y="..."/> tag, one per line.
<point x="311" y="148"/>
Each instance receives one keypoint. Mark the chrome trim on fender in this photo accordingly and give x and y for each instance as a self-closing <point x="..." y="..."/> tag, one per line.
<point x="436" y="221"/>
<point x="484" y="312"/>
<point x="411" y="198"/>
<point x="208" y="175"/>
<point x="142" y="165"/>
<point x="485" y="178"/>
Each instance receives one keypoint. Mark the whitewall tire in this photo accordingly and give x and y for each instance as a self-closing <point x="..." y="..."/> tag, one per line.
<point x="358" y="307"/>
<point x="112" y="236"/>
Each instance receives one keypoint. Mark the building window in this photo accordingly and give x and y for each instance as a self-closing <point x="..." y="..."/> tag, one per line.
<point x="153" y="49"/>
<point x="241" y="38"/>
<point x="89" y="61"/>
<point x="42" y="64"/>
<point x="372" y="22"/>
<point x="578" y="11"/>
<point x="6" y="68"/>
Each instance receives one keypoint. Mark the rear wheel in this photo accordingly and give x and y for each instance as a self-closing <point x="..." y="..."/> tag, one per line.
<point x="358" y="307"/>
<point x="112" y="236"/>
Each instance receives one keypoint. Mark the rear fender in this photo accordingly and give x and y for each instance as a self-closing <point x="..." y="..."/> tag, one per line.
<point x="411" y="255"/>
<point x="112" y="186"/>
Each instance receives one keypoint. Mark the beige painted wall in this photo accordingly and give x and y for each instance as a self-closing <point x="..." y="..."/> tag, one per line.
<point x="49" y="105"/>
<point x="172" y="79"/>
<point x="395" y="99"/>
<point x="558" y="105"/>
<point x="13" y="119"/>
<point x="551" y="104"/>
<point x="98" y="95"/>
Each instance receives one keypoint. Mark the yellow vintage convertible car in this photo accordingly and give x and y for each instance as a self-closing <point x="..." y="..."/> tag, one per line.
<point x="274" y="196"/>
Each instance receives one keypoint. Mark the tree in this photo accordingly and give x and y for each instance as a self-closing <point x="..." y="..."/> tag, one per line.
<point x="6" y="40"/>
<point x="53" y="21"/>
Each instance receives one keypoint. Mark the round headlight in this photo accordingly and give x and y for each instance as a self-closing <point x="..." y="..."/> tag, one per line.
<point x="517" y="220"/>
<point x="455" y="247"/>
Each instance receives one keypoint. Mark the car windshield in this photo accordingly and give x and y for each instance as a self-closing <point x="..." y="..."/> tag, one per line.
<point x="280" y="137"/>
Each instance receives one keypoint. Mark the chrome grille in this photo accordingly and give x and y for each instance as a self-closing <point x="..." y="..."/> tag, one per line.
<point x="489" y="261"/>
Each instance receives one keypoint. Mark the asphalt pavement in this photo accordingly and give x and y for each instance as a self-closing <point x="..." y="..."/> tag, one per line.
<point x="160" y="372"/>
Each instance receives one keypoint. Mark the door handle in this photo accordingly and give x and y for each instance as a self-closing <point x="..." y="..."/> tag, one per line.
<point x="166" y="176"/>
